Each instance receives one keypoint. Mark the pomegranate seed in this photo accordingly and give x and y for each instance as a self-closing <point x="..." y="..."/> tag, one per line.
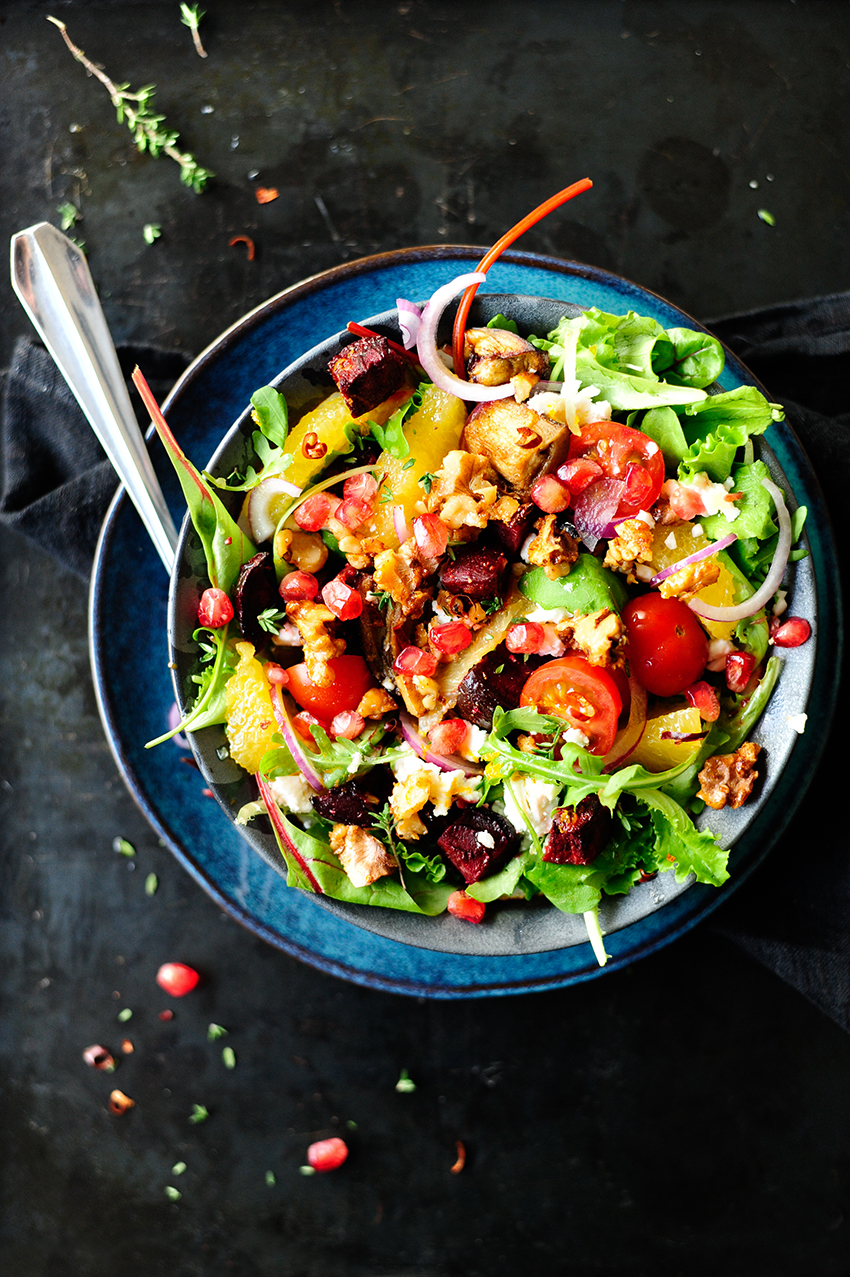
<point x="361" y="487"/>
<point x="215" y="609"/>
<point x="579" y="473"/>
<point x="704" y="698"/>
<point x="277" y="674"/>
<point x="353" y="512"/>
<point x="463" y="906"/>
<point x="313" y="515"/>
<point x="639" y="486"/>
<point x="348" y="724"/>
<point x="177" y="979"/>
<point x="529" y="637"/>
<point x="450" y="638"/>
<point x="685" y="503"/>
<point x="327" y="1155"/>
<point x="432" y="535"/>
<point x="342" y="600"/>
<point x="448" y="737"/>
<point x="303" y="721"/>
<point x="790" y="633"/>
<point x="739" y="670"/>
<point x="166" y="1015"/>
<point x="412" y="660"/>
<point x="550" y="494"/>
<point x="297" y="586"/>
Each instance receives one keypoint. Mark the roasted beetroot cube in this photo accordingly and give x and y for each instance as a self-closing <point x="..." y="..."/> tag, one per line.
<point x="513" y="532"/>
<point x="497" y="679"/>
<point x="477" y="572"/>
<point x="356" y="802"/>
<point x="477" y="841"/>
<point x="366" y="373"/>
<point x="578" y="834"/>
<point x="255" y="593"/>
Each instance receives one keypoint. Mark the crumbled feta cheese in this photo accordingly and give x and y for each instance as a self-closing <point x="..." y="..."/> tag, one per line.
<point x="485" y="838"/>
<point x="651" y="449"/>
<point x="644" y="572"/>
<point x="645" y="517"/>
<point x="538" y="800"/>
<point x="524" y="548"/>
<point x="718" y="650"/>
<point x="557" y="615"/>
<point x="797" y="722"/>
<point x="418" y="783"/>
<point x="670" y="542"/>
<point x="475" y="738"/>
<point x="714" y="496"/>
<point x="729" y="483"/>
<point x="780" y="605"/>
<point x="697" y="530"/>
<point x="441" y="617"/>
<point x="292" y="793"/>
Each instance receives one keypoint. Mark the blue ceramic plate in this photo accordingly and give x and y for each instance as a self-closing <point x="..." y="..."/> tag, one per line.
<point x="130" y="653"/>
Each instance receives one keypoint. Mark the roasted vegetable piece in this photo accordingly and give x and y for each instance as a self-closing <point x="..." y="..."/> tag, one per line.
<point x="579" y="833"/>
<point x="477" y="841"/>
<point x="497" y="679"/>
<point x="520" y="443"/>
<point x="511" y="532"/>
<point x="494" y="355"/>
<point x="366" y="373"/>
<point x="255" y="592"/>
<point x="477" y="572"/>
<point x="356" y="802"/>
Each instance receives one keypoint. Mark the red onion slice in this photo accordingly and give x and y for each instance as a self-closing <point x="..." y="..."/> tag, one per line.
<point x="408" y="321"/>
<point x="595" y="507"/>
<point x="280" y="829"/>
<point x="774" y="577"/>
<point x="288" y="733"/>
<point x="402" y="527"/>
<point x="446" y="762"/>
<point x="426" y="345"/>
<point x="634" y="729"/>
<point x="705" y="553"/>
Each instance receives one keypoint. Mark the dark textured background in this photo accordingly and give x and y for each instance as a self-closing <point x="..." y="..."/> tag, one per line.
<point x="687" y="1116"/>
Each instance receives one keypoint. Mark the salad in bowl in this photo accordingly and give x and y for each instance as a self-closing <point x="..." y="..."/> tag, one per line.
<point x="495" y="633"/>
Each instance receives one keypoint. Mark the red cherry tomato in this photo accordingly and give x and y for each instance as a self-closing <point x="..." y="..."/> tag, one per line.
<point x="668" y="647"/>
<point x="351" y="682"/>
<point x="573" y="689"/>
<point x="627" y="455"/>
<point x="177" y="979"/>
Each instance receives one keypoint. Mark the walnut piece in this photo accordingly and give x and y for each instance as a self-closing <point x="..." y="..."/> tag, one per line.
<point x="727" y="779"/>
<point x="361" y="855"/>
<point x="553" y="550"/>
<point x="689" y="580"/>
<point x="632" y="545"/>
<point x="463" y="491"/>
<point x="312" y="620"/>
<point x="375" y="703"/>
<point x="599" y="636"/>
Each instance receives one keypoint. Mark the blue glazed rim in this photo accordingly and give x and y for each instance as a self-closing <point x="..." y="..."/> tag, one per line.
<point x="129" y="653"/>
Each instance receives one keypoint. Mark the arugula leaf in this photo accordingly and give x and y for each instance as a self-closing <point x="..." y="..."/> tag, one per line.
<point x="391" y="437"/>
<point x="219" y="661"/>
<point x="340" y="760"/>
<point x="739" y="723"/>
<point x="271" y="414"/>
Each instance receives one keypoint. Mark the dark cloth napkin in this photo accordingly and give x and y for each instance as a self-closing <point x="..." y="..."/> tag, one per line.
<point x="793" y="914"/>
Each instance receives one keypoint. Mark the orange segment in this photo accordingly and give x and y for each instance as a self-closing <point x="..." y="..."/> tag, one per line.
<point x="250" y="720"/>
<point x="672" y="542"/>
<point x="657" y="754"/>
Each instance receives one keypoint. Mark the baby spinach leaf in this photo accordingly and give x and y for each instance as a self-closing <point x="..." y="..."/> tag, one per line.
<point x="755" y="508"/>
<point x="697" y="359"/>
<point x="663" y="426"/>
<point x="271" y="414"/>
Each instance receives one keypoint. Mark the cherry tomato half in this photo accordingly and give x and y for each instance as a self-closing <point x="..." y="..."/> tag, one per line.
<point x="351" y="681"/>
<point x="627" y="455"/>
<point x="668" y="648"/>
<point x="586" y="696"/>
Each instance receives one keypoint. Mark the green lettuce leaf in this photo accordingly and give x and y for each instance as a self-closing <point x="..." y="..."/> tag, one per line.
<point x="693" y="850"/>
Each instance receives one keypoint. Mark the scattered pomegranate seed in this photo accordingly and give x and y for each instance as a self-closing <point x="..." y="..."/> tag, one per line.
<point x="342" y="600"/>
<point x="327" y="1155"/>
<point x="790" y="633"/>
<point x="450" y="638"/>
<point x="361" y="487"/>
<point x="529" y="637"/>
<point x="704" y="698"/>
<point x="303" y="721"/>
<point x="99" y="1058"/>
<point x="432" y="535"/>
<point x="297" y="586"/>
<point x="177" y="979"/>
<point x="412" y="660"/>
<point x="313" y="515"/>
<point x="463" y="906"/>
<point x="550" y="494"/>
<point x="461" y="1158"/>
<point x="348" y="724"/>
<point x="352" y="512"/>
<point x="127" y="1047"/>
<point x="739" y="670"/>
<point x="166" y="1015"/>
<point x="579" y="473"/>
<point x="276" y="674"/>
<point x="448" y="737"/>
<point x="215" y="609"/>
<point x="119" y="1102"/>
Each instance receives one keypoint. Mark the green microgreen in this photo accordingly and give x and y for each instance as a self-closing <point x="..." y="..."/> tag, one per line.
<point x="199" y="1114"/>
<point x="271" y="1179"/>
<point x="767" y="217"/>
<point x="383" y="599"/>
<point x="125" y="1015"/>
<point x="190" y="16"/>
<point x="151" y="231"/>
<point x="492" y="605"/>
<point x="425" y="481"/>
<point x="228" y="1057"/>
<point x="173" y="1194"/>
<point x="179" y="1168"/>
<point x="216" y="1031"/>
<point x="151" y="885"/>
<point x="307" y="1170"/>
<point x="123" y="847"/>
<point x="69" y="214"/>
<point x="271" y="620"/>
<point x="133" y="109"/>
<point x="405" y="1084"/>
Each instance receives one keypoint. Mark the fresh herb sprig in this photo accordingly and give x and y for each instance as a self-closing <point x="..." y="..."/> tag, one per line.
<point x="134" y="109"/>
<point x="190" y="16"/>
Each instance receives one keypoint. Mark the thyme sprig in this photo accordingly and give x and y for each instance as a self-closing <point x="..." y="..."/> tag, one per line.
<point x="190" y="16"/>
<point x="146" y="127"/>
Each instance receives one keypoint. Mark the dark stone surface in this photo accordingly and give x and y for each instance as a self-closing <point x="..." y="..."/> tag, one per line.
<point x="686" y="1116"/>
